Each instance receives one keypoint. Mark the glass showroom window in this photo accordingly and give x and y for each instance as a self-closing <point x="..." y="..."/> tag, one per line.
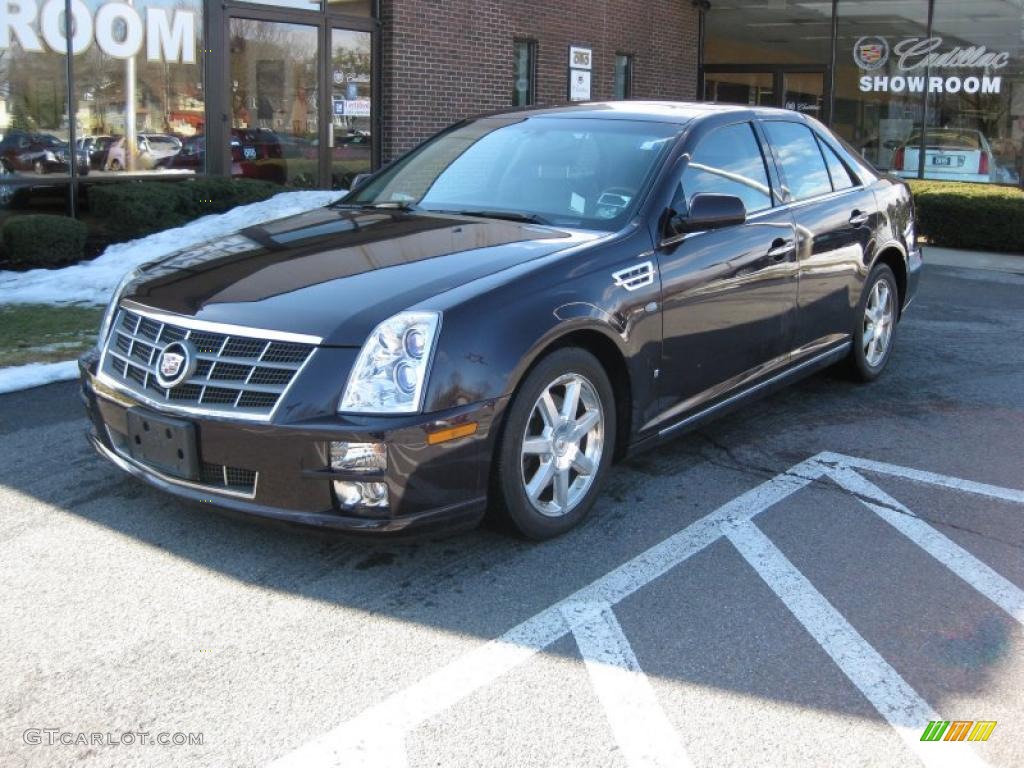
<point x="976" y="91"/>
<point x="139" y="93"/>
<point x="34" y="93"/>
<point x="525" y="87"/>
<point x="878" y="100"/>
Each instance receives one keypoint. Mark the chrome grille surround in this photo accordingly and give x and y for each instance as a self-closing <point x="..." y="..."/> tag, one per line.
<point x="242" y="373"/>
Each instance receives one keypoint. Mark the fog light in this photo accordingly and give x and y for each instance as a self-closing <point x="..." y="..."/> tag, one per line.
<point x="361" y="495"/>
<point x="359" y="457"/>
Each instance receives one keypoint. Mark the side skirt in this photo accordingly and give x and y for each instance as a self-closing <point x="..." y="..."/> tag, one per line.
<point x="732" y="402"/>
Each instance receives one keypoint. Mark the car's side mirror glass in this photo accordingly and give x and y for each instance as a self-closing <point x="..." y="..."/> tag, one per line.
<point x="708" y="211"/>
<point x="359" y="179"/>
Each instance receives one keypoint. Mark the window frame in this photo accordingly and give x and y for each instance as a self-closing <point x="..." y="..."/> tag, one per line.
<point x="824" y="146"/>
<point x="780" y="168"/>
<point x="768" y="161"/>
<point x="532" y="55"/>
<point x="627" y="89"/>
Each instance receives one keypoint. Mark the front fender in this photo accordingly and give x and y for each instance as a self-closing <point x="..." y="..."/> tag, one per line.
<point x="490" y="340"/>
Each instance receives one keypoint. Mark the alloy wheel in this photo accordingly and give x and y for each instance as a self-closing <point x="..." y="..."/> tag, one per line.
<point x="562" y="445"/>
<point x="879" y="319"/>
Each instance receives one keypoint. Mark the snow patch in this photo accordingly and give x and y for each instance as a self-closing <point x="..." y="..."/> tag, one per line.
<point x="92" y="282"/>
<point x="36" y="375"/>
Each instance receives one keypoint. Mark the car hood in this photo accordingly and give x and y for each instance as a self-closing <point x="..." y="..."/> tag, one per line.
<point x="334" y="272"/>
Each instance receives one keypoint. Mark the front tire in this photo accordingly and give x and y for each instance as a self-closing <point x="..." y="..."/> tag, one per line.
<point x="875" y="333"/>
<point x="557" y="444"/>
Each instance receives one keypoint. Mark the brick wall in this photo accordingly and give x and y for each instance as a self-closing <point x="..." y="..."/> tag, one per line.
<point x="447" y="59"/>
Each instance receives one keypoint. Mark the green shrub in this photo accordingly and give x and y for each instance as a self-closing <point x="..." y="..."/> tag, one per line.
<point x="42" y="240"/>
<point x="205" y="196"/>
<point x="128" y="210"/>
<point x="980" y="217"/>
<point x="131" y="209"/>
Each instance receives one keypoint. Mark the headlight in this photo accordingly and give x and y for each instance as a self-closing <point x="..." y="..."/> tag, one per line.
<point x="50" y="156"/>
<point x="391" y="370"/>
<point x="111" y="311"/>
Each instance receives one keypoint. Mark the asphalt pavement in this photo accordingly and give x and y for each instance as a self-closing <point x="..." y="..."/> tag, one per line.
<point x="806" y="582"/>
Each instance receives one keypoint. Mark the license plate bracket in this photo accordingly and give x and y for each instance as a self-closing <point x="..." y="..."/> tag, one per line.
<point x="167" y="445"/>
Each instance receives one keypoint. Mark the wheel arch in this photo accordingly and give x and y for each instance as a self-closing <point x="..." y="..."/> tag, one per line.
<point x="894" y="257"/>
<point x="604" y="346"/>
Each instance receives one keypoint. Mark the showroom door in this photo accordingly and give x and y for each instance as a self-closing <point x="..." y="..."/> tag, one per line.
<point x="804" y="92"/>
<point x="274" y="100"/>
<point x="801" y="89"/>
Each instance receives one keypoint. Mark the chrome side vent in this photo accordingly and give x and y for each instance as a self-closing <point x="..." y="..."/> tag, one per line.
<point x="634" y="278"/>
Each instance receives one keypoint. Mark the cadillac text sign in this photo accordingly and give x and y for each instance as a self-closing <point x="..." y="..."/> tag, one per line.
<point x="120" y="30"/>
<point x="916" y="61"/>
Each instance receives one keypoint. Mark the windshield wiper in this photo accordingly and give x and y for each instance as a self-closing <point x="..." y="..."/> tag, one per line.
<point x="379" y="206"/>
<point x="529" y="218"/>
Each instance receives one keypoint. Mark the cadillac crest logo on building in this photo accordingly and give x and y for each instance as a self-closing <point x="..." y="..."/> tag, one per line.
<point x="871" y="53"/>
<point x="176" y="363"/>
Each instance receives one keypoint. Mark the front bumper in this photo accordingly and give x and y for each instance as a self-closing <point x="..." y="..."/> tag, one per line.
<point x="432" y="488"/>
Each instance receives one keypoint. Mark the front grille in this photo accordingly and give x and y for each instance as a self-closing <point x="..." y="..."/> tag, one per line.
<point x="218" y="476"/>
<point x="235" y="374"/>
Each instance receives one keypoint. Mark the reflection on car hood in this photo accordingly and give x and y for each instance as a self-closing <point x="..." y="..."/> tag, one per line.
<point x="336" y="273"/>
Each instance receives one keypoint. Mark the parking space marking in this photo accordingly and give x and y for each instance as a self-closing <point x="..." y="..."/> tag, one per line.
<point x="920" y="476"/>
<point x="981" y="577"/>
<point x="360" y="741"/>
<point x="882" y="685"/>
<point x="375" y="738"/>
<point x="637" y="720"/>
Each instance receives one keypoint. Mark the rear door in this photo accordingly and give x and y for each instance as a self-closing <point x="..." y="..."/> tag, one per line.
<point x="835" y="216"/>
<point x="729" y="294"/>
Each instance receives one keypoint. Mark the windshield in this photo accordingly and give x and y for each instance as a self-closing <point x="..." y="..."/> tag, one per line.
<point x="581" y="172"/>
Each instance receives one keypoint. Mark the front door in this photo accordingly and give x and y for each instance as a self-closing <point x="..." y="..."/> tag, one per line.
<point x="275" y="101"/>
<point x="301" y="95"/>
<point x="729" y="295"/>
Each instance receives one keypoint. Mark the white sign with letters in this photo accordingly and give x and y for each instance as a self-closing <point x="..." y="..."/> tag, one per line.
<point x="117" y="28"/>
<point x="915" y="56"/>
<point x="581" y="58"/>
<point x="579" y="85"/>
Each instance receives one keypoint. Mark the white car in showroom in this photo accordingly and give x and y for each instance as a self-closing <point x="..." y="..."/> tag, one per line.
<point x="951" y="154"/>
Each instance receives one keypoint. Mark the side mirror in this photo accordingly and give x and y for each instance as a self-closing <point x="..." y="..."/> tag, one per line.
<point x="708" y="211"/>
<point x="359" y="179"/>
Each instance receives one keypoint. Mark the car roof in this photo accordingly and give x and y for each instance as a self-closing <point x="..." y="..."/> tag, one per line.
<point x="658" y="111"/>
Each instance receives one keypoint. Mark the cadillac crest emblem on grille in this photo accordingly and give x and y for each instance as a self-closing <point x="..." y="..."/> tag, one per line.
<point x="176" y="363"/>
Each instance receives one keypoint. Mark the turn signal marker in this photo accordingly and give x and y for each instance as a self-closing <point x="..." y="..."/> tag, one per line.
<point x="451" y="433"/>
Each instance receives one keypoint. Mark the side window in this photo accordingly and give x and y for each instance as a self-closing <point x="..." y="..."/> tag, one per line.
<point x="728" y="161"/>
<point x="801" y="160"/>
<point x="841" y="178"/>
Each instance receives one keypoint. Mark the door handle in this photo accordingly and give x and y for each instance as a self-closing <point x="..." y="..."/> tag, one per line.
<point x="859" y="219"/>
<point x="781" y="249"/>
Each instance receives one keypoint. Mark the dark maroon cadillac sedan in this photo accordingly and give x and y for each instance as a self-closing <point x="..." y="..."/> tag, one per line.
<point x="498" y="315"/>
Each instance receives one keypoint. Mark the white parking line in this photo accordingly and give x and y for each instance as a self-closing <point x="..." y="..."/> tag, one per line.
<point x="919" y="476"/>
<point x="999" y="590"/>
<point x="361" y="741"/>
<point x="376" y="737"/>
<point x="639" y="724"/>
<point x="882" y="685"/>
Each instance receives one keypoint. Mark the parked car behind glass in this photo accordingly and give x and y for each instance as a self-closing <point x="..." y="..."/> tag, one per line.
<point x="951" y="154"/>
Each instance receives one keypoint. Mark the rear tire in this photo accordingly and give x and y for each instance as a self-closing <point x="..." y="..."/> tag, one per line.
<point x="875" y="333"/>
<point x="557" y="444"/>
